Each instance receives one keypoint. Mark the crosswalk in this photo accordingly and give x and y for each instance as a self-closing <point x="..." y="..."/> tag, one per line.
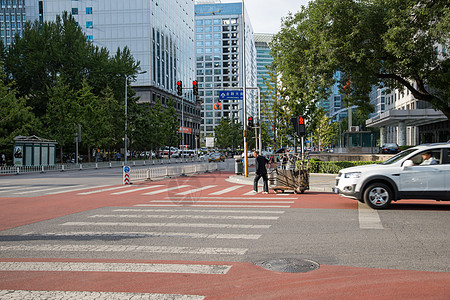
<point x="183" y="190"/>
<point x="172" y="240"/>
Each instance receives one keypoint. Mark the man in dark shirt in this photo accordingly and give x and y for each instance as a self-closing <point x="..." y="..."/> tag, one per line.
<point x="261" y="171"/>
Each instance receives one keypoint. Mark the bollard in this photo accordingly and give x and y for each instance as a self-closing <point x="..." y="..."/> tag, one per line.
<point x="62" y="168"/>
<point x="96" y="165"/>
<point x="42" y="169"/>
<point x="110" y="165"/>
<point x="18" y="171"/>
<point x="81" y="167"/>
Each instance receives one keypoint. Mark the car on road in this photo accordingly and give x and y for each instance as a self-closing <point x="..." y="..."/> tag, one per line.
<point x="389" y="149"/>
<point x="216" y="157"/>
<point x="421" y="172"/>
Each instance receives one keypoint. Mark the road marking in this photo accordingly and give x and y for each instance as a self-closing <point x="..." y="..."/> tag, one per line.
<point x="227" y="190"/>
<point x="106" y="190"/>
<point x="200" y="210"/>
<point x="74" y="190"/>
<point x="368" y="217"/>
<point x="166" y="190"/>
<point x="221" y="201"/>
<point x="114" y="267"/>
<point x="48" y="189"/>
<point x="197" y="190"/>
<point x="126" y="249"/>
<point x="238" y="198"/>
<point x="64" y="295"/>
<point x="138" y="189"/>
<point x="187" y="217"/>
<point x="150" y="234"/>
<point x="196" y="225"/>
<point x="212" y="205"/>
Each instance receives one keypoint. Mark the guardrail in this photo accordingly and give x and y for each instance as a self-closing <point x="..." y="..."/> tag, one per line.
<point x="169" y="171"/>
<point x="94" y="165"/>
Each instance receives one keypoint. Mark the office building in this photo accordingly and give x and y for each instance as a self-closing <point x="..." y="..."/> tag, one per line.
<point x="219" y="38"/>
<point x="159" y="34"/>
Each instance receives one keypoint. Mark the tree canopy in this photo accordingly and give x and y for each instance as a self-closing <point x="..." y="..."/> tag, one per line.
<point x="390" y="43"/>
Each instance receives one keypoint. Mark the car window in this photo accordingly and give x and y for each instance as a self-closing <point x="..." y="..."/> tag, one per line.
<point x="433" y="157"/>
<point x="399" y="156"/>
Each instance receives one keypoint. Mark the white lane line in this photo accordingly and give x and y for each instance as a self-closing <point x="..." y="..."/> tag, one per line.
<point x="200" y="210"/>
<point x="192" y="225"/>
<point x="114" y="267"/>
<point x="106" y="190"/>
<point x="368" y="217"/>
<point x="198" y="217"/>
<point x="197" y="190"/>
<point x="220" y="201"/>
<point x="48" y="189"/>
<point x="166" y="190"/>
<point x="135" y="234"/>
<point x="206" y="205"/>
<point x="238" y="198"/>
<point x="65" y="295"/>
<point x="74" y="190"/>
<point x="17" y="187"/>
<point x="138" y="189"/>
<point x="227" y="190"/>
<point x="126" y="249"/>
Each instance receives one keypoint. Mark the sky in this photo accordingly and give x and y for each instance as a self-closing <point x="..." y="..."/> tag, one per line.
<point x="265" y="15"/>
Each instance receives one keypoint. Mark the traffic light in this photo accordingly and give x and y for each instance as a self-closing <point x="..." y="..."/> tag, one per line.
<point x="250" y="122"/>
<point x="180" y="88"/>
<point x="299" y="125"/>
<point x="195" y="87"/>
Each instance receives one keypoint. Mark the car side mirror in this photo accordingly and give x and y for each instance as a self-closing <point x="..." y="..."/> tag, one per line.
<point x="407" y="164"/>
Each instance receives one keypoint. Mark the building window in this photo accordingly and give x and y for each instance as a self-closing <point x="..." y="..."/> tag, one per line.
<point x="89" y="10"/>
<point x="74" y="10"/>
<point x="89" y="24"/>
<point x="89" y="38"/>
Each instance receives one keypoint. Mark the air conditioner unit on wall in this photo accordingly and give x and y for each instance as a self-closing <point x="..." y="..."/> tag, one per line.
<point x="354" y="128"/>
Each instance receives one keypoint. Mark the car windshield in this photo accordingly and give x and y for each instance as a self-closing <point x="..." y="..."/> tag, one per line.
<point x="399" y="156"/>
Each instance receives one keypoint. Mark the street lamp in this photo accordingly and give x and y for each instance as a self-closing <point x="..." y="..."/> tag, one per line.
<point x="126" y="113"/>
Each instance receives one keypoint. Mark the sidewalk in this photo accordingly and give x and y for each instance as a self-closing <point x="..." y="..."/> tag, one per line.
<point x="318" y="182"/>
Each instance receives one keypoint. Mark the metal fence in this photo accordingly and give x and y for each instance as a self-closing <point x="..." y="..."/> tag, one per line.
<point x="94" y="165"/>
<point x="152" y="173"/>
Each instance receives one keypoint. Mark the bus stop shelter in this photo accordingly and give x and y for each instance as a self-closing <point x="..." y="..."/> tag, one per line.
<point x="34" y="151"/>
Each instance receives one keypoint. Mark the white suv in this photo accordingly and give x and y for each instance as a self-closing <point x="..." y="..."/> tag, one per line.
<point x="421" y="172"/>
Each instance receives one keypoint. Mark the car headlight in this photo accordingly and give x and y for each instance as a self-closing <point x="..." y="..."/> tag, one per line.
<point x="352" y="175"/>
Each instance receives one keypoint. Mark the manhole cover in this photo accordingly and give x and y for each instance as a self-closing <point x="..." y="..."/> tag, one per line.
<point x="290" y="265"/>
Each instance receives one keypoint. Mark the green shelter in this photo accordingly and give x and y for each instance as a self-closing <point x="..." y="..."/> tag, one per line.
<point x="34" y="151"/>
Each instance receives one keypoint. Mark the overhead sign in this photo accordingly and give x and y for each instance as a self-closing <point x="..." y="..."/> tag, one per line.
<point x="231" y="95"/>
<point x="185" y="130"/>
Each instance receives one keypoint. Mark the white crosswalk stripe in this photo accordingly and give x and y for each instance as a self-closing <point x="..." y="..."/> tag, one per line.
<point x="166" y="190"/>
<point x="106" y="190"/>
<point x="199" y="210"/>
<point x="192" y="225"/>
<point x="126" y="248"/>
<point x="67" y="295"/>
<point x="196" y="190"/>
<point x="114" y="267"/>
<point x="213" y="205"/>
<point x="200" y="217"/>
<point x="227" y="190"/>
<point x="77" y="189"/>
<point x="137" y="189"/>
<point x="221" y="201"/>
<point x="46" y="189"/>
<point x="145" y="234"/>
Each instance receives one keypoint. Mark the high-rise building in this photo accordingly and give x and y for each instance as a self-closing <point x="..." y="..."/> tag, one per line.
<point x="159" y="34"/>
<point x="263" y="60"/>
<point x="13" y="16"/>
<point x="220" y="38"/>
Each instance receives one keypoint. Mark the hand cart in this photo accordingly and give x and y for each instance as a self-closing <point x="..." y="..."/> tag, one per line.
<point x="291" y="174"/>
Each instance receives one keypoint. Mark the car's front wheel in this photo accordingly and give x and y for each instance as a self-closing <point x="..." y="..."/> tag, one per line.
<point x="378" y="195"/>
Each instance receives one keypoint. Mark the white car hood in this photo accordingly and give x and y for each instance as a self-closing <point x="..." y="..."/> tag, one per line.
<point x="363" y="168"/>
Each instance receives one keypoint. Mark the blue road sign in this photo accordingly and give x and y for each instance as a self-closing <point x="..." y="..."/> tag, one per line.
<point x="126" y="169"/>
<point x="231" y="95"/>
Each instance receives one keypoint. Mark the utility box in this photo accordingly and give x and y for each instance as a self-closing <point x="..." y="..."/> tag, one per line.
<point x="34" y="151"/>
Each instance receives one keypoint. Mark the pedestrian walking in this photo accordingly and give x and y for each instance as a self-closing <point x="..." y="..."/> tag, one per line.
<point x="3" y="162"/>
<point x="261" y="171"/>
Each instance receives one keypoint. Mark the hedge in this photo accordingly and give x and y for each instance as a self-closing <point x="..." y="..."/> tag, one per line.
<point x="333" y="167"/>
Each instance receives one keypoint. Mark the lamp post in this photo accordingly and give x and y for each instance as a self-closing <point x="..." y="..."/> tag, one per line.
<point x="126" y="113"/>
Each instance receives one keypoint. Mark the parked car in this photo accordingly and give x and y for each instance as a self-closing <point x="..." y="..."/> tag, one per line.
<point x="389" y="149"/>
<point x="421" y="172"/>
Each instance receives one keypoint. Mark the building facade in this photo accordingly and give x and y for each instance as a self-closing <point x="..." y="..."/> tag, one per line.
<point x="219" y="40"/>
<point x="13" y="16"/>
<point x="159" y="34"/>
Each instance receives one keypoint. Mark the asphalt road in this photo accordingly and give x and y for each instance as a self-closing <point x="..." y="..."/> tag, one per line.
<point x="206" y="236"/>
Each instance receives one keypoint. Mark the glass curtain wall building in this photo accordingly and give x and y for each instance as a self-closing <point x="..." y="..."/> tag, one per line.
<point x="159" y="34"/>
<point x="219" y="57"/>
<point x="13" y="15"/>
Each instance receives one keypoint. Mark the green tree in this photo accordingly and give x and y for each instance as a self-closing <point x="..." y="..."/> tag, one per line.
<point x="324" y="132"/>
<point x="170" y="124"/>
<point x="374" y="42"/>
<point x="228" y="134"/>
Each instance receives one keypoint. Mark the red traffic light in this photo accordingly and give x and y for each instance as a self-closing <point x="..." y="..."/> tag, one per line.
<point x="178" y="83"/>
<point x="301" y="121"/>
<point x="194" y="82"/>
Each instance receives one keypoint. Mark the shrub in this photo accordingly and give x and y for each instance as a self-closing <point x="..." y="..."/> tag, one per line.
<point x="333" y="167"/>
